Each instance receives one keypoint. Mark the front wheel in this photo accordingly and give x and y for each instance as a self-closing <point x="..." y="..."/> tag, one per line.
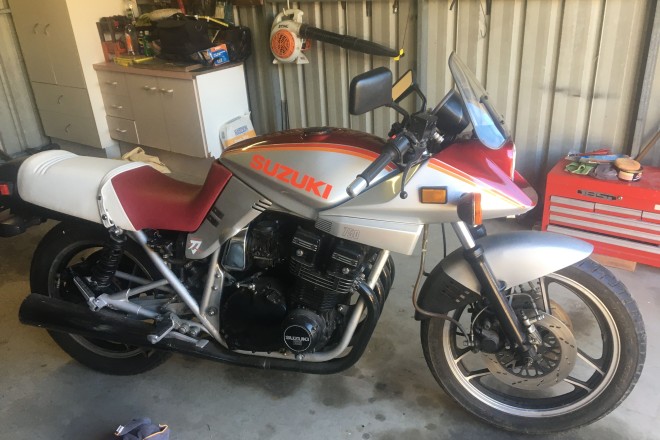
<point x="592" y="354"/>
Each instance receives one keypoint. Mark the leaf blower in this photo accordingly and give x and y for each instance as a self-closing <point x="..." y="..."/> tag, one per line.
<point x="289" y="37"/>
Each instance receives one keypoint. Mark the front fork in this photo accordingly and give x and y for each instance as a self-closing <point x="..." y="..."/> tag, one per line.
<point x="490" y="287"/>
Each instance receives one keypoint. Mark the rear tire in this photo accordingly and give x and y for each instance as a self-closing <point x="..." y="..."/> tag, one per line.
<point x="61" y="247"/>
<point x="534" y="412"/>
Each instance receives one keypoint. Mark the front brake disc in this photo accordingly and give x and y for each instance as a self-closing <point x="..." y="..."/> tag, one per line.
<point x="555" y="360"/>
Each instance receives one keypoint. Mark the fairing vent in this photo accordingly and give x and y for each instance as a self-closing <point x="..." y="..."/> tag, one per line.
<point x="324" y="225"/>
<point x="262" y="205"/>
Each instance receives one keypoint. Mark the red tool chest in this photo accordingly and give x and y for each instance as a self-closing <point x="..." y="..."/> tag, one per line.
<point x="621" y="219"/>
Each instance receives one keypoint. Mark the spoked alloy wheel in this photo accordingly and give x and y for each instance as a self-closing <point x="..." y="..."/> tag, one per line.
<point x="592" y="354"/>
<point x="78" y="247"/>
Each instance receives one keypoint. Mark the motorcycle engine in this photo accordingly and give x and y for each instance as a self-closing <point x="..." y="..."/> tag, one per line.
<point x="293" y="299"/>
<point x="325" y="269"/>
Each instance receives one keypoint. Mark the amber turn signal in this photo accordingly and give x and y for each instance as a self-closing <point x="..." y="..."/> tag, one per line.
<point x="433" y="195"/>
<point x="469" y="208"/>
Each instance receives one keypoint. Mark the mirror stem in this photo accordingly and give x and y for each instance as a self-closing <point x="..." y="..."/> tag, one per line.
<point x="400" y="110"/>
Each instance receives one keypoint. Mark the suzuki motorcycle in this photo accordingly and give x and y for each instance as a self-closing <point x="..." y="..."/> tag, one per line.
<point x="281" y="260"/>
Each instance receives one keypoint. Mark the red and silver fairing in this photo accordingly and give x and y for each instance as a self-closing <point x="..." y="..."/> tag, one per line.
<point x="489" y="172"/>
<point x="304" y="171"/>
<point x="380" y="217"/>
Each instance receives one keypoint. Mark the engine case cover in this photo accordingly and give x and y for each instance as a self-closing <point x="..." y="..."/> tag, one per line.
<point x="303" y="330"/>
<point x="252" y="317"/>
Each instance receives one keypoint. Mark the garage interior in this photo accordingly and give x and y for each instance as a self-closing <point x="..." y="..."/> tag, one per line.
<point x="568" y="76"/>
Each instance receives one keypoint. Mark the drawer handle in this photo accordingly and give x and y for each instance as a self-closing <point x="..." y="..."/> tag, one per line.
<point x="112" y="83"/>
<point x="59" y="99"/>
<point x="120" y="130"/>
<point x="66" y="129"/>
<point x="167" y="90"/>
<point x="46" y="29"/>
<point x="34" y="29"/>
<point x="118" y="107"/>
<point x="149" y="88"/>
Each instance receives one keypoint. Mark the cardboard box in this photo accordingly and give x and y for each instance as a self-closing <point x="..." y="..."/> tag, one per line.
<point x="236" y="130"/>
<point x="214" y="56"/>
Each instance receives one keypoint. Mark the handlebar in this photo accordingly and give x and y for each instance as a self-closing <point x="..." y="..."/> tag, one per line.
<point x="393" y="150"/>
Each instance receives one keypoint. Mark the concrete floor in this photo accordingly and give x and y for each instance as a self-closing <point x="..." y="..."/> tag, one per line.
<point x="388" y="394"/>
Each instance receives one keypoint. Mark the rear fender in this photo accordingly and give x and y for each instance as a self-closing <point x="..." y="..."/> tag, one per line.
<point x="514" y="258"/>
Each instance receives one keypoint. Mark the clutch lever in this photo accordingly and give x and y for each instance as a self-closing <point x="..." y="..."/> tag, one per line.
<point x="419" y="153"/>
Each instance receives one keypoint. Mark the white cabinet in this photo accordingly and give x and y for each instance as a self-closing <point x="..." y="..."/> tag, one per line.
<point x="46" y="37"/>
<point x="180" y="112"/>
<point x="59" y="42"/>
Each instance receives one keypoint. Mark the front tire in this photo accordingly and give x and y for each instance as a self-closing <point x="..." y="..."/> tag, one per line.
<point x="78" y="244"/>
<point x="611" y="348"/>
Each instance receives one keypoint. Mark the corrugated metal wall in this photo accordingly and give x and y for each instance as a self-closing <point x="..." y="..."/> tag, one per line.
<point x="567" y="74"/>
<point x="648" y="117"/>
<point x="20" y="127"/>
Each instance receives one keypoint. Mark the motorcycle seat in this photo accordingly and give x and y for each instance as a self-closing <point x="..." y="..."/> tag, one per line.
<point x="130" y="195"/>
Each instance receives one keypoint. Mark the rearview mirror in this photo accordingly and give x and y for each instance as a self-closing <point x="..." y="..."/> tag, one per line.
<point x="402" y="87"/>
<point x="370" y="90"/>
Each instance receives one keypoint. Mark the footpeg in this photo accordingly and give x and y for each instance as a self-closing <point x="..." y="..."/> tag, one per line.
<point x="199" y="343"/>
<point x="162" y="329"/>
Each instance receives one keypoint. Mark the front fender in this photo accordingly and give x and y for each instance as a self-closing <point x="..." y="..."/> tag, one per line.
<point x="514" y="258"/>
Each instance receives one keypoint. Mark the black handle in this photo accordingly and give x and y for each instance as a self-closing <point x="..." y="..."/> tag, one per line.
<point x="392" y="151"/>
<point x="347" y="42"/>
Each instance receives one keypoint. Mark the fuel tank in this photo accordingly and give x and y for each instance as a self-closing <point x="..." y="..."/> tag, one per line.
<point x="304" y="170"/>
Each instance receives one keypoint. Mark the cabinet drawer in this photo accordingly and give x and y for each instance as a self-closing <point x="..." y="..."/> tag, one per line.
<point x="62" y="99"/>
<point x="74" y="128"/>
<point x="112" y="82"/>
<point x="122" y="129"/>
<point x="118" y="105"/>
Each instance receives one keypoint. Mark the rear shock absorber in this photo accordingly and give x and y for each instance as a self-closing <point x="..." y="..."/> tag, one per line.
<point x="104" y="270"/>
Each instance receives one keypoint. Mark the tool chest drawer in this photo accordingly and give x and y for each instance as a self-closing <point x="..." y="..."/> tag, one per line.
<point x="621" y="219"/>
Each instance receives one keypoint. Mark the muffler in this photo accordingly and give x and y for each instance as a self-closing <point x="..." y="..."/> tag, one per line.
<point x="55" y="314"/>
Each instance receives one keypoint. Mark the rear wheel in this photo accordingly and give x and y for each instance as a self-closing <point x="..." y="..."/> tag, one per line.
<point x="78" y="246"/>
<point x="592" y="353"/>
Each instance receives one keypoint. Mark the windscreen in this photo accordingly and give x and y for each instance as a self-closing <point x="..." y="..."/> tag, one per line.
<point x="486" y="121"/>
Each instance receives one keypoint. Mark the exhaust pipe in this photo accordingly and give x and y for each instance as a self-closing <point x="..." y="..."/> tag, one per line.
<point x="55" y="314"/>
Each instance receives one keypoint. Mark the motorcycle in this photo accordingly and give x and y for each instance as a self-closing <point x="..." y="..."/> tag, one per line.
<point x="281" y="260"/>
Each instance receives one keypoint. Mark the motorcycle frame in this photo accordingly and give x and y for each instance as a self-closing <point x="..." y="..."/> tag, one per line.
<point x="207" y="310"/>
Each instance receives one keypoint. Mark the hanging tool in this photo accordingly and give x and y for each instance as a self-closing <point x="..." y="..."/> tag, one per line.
<point x="289" y="37"/>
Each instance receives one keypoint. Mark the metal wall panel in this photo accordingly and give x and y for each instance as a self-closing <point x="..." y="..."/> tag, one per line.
<point x="567" y="74"/>
<point x="20" y="127"/>
<point x="336" y="62"/>
<point x="648" y="116"/>
<point x="612" y="117"/>
<point x="577" y="61"/>
<point x="262" y="78"/>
